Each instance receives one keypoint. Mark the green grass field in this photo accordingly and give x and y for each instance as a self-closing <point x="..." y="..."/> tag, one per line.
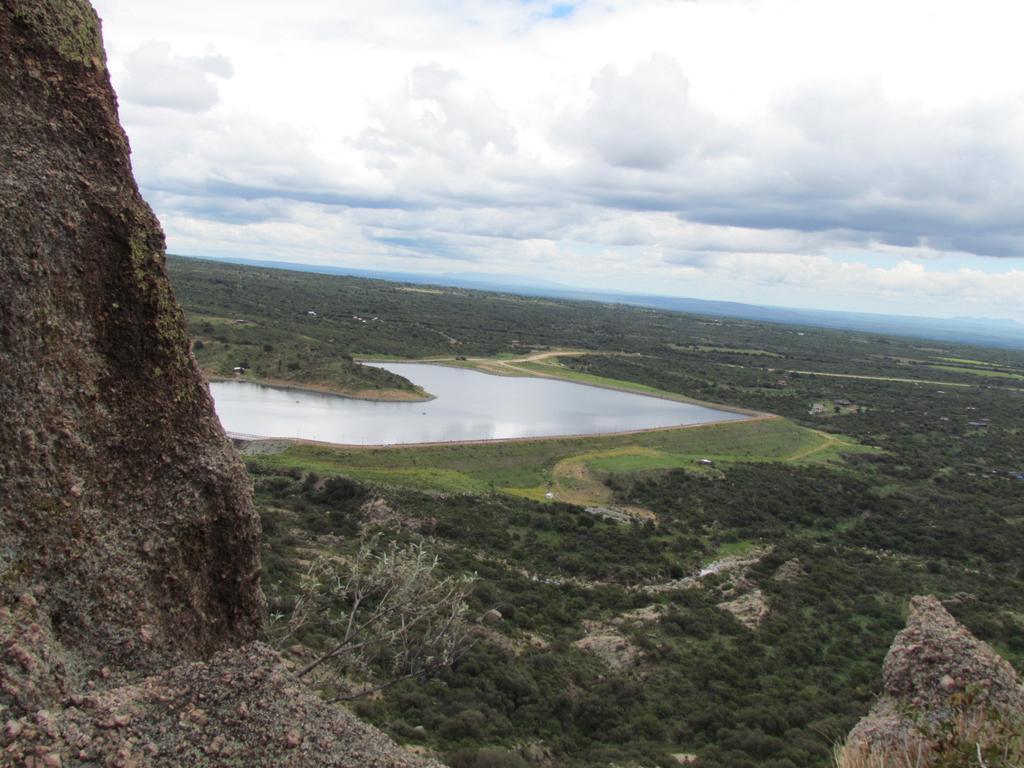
<point x="979" y="372"/>
<point x="732" y="549"/>
<point x="553" y="369"/>
<point x="730" y="350"/>
<point x="964" y="361"/>
<point x="525" y="467"/>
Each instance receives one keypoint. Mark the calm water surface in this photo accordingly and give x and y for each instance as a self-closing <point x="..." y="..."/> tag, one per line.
<point x="469" y="405"/>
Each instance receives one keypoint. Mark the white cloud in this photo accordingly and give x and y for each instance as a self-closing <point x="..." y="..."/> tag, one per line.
<point x="905" y="282"/>
<point x="665" y="145"/>
<point x="441" y="115"/>
<point x="643" y="119"/>
<point x="154" y="77"/>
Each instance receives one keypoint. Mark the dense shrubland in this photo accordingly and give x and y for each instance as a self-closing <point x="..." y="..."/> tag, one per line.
<point x="935" y="510"/>
<point x="780" y="696"/>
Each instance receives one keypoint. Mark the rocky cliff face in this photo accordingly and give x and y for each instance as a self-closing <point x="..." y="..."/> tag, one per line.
<point x="129" y="547"/>
<point x="122" y="506"/>
<point x="946" y="693"/>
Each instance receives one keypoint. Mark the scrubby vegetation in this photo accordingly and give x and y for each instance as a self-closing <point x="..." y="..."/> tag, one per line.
<point x="607" y="647"/>
<point x="382" y="611"/>
<point x="972" y="737"/>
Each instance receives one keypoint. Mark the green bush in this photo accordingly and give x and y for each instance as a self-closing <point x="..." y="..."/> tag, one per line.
<point x="486" y="757"/>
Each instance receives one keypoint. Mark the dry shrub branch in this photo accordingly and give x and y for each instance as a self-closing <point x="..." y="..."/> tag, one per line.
<point x="385" y="614"/>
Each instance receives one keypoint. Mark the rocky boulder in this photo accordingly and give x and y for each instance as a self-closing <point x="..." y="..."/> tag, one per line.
<point x="944" y="690"/>
<point x="241" y="707"/>
<point x="129" y="546"/>
<point x="123" y="508"/>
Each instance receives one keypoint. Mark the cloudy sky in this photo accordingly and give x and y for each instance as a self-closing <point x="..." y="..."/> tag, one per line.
<point x="860" y="155"/>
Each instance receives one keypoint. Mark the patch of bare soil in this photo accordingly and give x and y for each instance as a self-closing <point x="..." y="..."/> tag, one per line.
<point x="738" y="564"/>
<point x="378" y="512"/>
<point x="791" y="570"/>
<point x="750" y="609"/>
<point x="608" y="644"/>
<point x="646" y="615"/>
<point x="516" y="646"/>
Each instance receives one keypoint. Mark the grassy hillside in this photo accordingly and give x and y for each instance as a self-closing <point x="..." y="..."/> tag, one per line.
<point x="246" y="340"/>
<point x="518" y="466"/>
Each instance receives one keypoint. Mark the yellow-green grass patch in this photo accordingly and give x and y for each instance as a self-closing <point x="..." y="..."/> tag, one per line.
<point x="558" y="371"/>
<point x="963" y="360"/>
<point x="979" y="372"/>
<point x="730" y="350"/>
<point x="731" y="549"/>
<point x="526" y="468"/>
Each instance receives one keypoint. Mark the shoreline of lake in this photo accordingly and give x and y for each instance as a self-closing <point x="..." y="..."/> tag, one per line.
<point x="469" y="407"/>
<point x="494" y="440"/>
<point x="393" y="396"/>
<point x="673" y="397"/>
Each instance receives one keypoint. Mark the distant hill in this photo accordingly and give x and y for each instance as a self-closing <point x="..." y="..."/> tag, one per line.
<point x="970" y="330"/>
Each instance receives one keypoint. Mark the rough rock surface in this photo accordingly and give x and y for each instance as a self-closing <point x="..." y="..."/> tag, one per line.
<point x="934" y="669"/>
<point x="750" y="609"/>
<point x="239" y="708"/>
<point x="242" y="707"/>
<point x="791" y="570"/>
<point x="129" y="546"/>
<point x="121" y="503"/>
<point x="608" y="644"/>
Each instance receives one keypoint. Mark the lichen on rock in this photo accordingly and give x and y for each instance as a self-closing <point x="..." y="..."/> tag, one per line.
<point x="124" y="507"/>
<point x="944" y="690"/>
<point x="69" y="27"/>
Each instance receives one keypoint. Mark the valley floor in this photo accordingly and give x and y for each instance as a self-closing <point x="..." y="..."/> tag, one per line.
<point x="727" y="591"/>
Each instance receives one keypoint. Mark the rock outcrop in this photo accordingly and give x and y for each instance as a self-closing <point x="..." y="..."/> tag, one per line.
<point x="944" y="688"/>
<point x="129" y="546"/>
<point x="240" y="708"/>
<point x="122" y="506"/>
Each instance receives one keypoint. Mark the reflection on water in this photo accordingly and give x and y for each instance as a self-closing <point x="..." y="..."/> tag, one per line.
<point x="469" y="406"/>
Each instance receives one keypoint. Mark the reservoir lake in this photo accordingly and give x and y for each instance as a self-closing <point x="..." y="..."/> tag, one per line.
<point x="468" y="405"/>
